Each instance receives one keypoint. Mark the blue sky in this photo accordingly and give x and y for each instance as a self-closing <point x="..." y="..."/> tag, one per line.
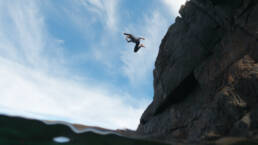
<point x="68" y="60"/>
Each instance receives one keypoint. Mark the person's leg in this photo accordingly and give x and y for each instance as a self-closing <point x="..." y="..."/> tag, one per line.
<point x="136" y="48"/>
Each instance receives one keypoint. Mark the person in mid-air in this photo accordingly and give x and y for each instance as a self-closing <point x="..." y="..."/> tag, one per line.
<point x="136" y="40"/>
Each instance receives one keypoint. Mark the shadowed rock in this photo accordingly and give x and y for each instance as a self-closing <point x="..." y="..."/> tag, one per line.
<point x="206" y="74"/>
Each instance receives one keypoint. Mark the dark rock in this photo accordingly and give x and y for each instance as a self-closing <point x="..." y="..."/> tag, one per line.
<point x="206" y="74"/>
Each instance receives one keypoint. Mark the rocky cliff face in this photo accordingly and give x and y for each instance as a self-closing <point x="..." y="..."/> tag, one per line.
<point x="206" y="73"/>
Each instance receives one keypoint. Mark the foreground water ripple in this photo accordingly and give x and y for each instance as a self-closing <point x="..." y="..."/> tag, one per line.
<point x="21" y="131"/>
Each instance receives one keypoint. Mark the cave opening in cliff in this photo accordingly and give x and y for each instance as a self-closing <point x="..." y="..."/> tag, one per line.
<point x="180" y="93"/>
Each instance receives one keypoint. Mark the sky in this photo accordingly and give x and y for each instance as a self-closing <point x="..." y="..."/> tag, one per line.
<point x="68" y="60"/>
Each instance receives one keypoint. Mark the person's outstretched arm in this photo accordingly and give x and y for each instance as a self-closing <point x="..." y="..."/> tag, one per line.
<point x="128" y="37"/>
<point x="127" y="34"/>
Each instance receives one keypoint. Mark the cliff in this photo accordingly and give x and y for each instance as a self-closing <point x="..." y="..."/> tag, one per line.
<point x="206" y="74"/>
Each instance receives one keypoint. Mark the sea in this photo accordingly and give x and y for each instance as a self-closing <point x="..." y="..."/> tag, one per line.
<point x="23" y="131"/>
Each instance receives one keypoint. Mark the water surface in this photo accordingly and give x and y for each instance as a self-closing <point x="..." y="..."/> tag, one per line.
<point x="20" y="131"/>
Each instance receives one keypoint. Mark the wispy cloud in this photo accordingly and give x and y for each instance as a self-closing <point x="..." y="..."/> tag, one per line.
<point x="31" y="92"/>
<point x="17" y="21"/>
<point x="174" y="5"/>
<point x="23" y="35"/>
<point x="98" y="22"/>
<point x="106" y="10"/>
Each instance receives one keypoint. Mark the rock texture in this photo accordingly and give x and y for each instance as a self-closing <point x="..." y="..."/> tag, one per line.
<point x="206" y="74"/>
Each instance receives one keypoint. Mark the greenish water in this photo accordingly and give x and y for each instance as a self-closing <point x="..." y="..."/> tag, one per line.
<point x="20" y="131"/>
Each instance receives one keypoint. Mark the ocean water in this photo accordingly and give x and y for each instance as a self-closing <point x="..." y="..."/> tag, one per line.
<point x="20" y="131"/>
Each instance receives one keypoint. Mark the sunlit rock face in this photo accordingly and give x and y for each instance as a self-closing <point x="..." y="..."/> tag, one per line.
<point x="206" y="74"/>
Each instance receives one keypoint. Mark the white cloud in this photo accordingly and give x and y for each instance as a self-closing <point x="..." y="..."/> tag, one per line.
<point x="86" y="15"/>
<point x="31" y="93"/>
<point x="106" y="10"/>
<point x="17" y="20"/>
<point x="138" y="65"/>
<point x="23" y="35"/>
<point x="174" y="6"/>
<point x="29" y="56"/>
